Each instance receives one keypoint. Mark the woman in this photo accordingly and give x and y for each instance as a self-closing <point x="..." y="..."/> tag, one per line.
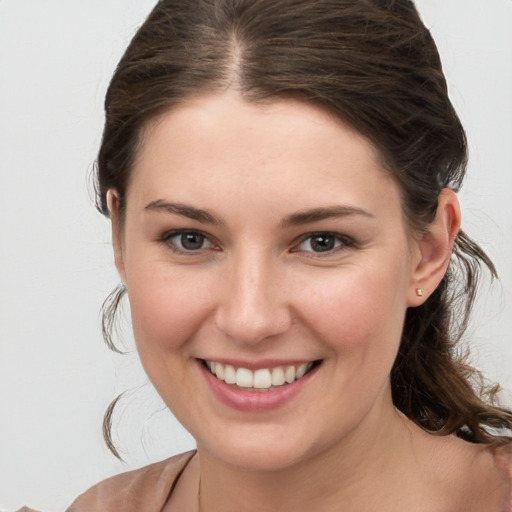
<point x="280" y="178"/>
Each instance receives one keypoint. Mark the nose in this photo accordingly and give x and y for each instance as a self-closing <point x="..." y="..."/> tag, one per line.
<point x="253" y="306"/>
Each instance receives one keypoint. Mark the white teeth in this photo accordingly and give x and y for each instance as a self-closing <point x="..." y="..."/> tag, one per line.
<point x="278" y="376"/>
<point x="301" y="371"/>
<point x="289" y="375"/>
<point x="229" y="374"/>
<point x="262" y="379"/>
<point x="219" y="371"/>
<point x="244" y="378"/>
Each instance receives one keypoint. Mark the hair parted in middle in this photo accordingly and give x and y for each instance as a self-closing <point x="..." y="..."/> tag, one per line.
<point x="374" y="65"/>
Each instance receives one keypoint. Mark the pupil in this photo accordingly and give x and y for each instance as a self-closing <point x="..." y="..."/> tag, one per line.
<point x="322" y="243"/>
<point x="192" y="241"/>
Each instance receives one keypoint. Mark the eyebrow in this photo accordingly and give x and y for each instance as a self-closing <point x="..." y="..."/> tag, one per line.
<point x="295" y="219"/>
<point x="184" y="210"/>
<point x="318" y="214"/>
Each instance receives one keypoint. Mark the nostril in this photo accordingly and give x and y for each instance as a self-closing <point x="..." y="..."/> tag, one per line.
<point x="252" y="326"/>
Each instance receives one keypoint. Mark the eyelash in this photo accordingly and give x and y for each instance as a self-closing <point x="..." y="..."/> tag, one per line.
<point x="167" y="237"/>
<point x="340" y="242"/>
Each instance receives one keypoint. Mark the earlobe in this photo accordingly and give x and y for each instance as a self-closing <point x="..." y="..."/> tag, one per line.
<point x="435" y="248"/>
<point x="113" y="209"/>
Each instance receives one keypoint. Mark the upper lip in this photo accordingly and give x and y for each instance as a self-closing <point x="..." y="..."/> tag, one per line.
<point x="260" y="364"/>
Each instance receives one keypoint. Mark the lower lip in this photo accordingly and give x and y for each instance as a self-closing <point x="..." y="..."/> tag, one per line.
<point x="255" y="401"/>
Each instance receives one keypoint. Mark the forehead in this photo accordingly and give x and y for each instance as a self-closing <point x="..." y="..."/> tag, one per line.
<point x="221" y="146"/>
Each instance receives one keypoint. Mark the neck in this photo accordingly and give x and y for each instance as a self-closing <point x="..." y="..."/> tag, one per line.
<point x="364" y="460"/>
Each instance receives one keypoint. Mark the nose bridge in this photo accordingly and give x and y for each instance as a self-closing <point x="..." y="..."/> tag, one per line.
<point x="252" y="307"/>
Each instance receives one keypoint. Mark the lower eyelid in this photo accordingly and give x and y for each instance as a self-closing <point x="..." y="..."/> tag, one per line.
<point x="167" y="237"/>
<point x="340" y="240"/>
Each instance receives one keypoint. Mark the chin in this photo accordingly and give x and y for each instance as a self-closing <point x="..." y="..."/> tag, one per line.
<point x="264" y="458"/>
<point x="260" y="451"/>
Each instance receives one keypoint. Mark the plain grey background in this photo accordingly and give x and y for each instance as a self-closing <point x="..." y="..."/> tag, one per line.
<point x="56" y="376"/>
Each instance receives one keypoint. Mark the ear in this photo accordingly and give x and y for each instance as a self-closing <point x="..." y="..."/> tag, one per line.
<point x="434" y="249"/>
<point x="113" y="209"/>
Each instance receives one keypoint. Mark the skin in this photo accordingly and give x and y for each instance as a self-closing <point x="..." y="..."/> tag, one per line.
<point x="257" y="291"/>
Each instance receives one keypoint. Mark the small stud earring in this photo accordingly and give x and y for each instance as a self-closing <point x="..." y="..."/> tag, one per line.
<point x="419" y="292"/>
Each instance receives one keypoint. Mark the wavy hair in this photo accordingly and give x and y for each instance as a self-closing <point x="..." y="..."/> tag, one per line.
<point x="373" y="64"/>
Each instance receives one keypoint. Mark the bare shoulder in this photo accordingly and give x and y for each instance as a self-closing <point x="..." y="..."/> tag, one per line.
<point x="478" y="477"/>
<point x="503" y="461"/>
<point x="503" y="457"/>
<point x="490" y="477"/>
<point x="449" y="474"/>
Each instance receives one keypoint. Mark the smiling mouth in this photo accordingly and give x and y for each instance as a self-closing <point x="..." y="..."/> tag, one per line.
<point x="263" y="379"/>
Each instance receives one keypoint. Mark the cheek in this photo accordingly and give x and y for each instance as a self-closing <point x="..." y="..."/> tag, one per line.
<point x="360" y="312"/>
<point x="167" y="307"/>
<point x="168" y="311"/>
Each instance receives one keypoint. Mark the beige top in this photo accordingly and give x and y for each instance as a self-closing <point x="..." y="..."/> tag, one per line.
<point x="148" y="489"/>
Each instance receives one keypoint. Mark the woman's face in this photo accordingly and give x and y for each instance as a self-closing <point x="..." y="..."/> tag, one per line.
<point x="260" y="242"/>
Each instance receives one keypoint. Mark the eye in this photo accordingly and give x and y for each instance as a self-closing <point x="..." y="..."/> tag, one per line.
<point x="323" y="242"/>
<point x="187" y="240"/>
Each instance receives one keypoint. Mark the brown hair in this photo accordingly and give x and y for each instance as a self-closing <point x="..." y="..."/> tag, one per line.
<point x="375" y="65"/>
